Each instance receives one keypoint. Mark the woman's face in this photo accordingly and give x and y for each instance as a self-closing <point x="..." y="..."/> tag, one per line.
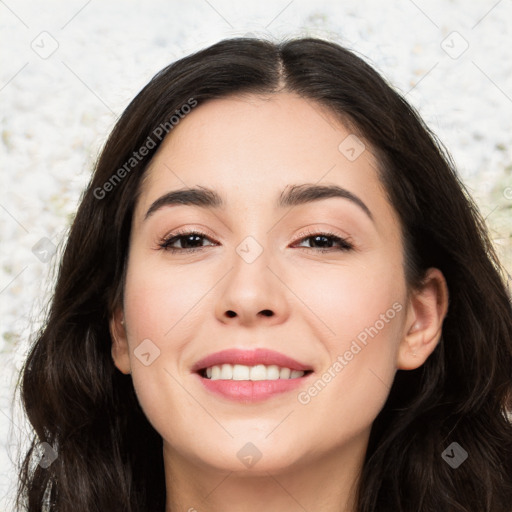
<point x="265" y="276"/>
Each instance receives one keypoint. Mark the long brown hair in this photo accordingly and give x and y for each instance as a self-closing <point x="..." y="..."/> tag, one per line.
<point x="109" y="457"/>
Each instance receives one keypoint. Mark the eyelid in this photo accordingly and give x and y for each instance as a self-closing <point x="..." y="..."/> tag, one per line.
<point x="189" y="229"/>
<point x="309" y="231"/>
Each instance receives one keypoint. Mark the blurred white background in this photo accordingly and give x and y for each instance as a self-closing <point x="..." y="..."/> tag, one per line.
<point x="69" y="68"/>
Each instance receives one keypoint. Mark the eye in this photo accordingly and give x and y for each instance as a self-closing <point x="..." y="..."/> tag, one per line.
<point x="190" y="241"/>
<point x="325" y="240"/>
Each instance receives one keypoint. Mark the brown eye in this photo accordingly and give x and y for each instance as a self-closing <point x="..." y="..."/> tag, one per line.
<point x="189" y="241"/>
<point x="326" y="242"/>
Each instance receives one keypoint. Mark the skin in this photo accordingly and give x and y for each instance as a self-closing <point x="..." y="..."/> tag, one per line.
<point x="249" y="148"/>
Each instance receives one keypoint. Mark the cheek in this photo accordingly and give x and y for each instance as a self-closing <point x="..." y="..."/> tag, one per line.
<point x="159" y="301"/>
<point x="159" y="310"/>
<point x="361" y="311"/>
<point x="349" y="299"/>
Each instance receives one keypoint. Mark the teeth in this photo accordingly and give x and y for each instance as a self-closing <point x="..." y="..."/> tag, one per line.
<point x="254" y="373"/>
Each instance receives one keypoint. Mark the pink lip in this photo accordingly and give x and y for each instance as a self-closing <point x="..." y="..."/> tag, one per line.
<point x="245" y="390"/>
<point x="249" y="358"/>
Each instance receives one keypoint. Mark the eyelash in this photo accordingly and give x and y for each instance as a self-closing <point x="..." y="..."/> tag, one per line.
<point x="165" y="243"/>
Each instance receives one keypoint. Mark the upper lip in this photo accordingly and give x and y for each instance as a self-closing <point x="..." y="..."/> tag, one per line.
<point x="249" y="358"/>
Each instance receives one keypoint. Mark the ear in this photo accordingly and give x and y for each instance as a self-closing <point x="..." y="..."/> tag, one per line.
<point x="120" y="349"/>
<point x="426" y="312"/>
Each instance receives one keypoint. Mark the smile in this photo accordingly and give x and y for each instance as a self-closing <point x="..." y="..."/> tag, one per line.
<point x="249" y="376"/>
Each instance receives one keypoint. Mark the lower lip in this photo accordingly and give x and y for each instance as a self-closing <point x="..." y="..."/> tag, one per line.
<point x="252" y="391"/>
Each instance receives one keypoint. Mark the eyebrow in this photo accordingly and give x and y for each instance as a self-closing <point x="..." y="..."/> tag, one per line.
<point x="292" y="195"/>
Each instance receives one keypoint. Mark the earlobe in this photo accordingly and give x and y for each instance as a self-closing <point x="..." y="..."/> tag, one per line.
<point x="120" y="349"/>
<point x="427" y="310"/>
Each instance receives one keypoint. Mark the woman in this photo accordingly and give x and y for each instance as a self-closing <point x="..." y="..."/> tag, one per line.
<point x="276" y="295"/>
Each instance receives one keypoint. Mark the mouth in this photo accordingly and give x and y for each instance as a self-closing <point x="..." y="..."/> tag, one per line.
<point x="250" y="376"/>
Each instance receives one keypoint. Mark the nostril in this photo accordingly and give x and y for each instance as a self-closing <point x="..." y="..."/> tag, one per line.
<point x="267" y="312"/>
<point x="231" y="314"/>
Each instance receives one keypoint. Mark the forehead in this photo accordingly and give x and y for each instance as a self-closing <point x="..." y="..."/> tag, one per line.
<point x="252" y="147"/>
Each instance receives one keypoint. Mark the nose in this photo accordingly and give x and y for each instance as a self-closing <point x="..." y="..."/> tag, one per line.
<point x="253" y="293"/>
